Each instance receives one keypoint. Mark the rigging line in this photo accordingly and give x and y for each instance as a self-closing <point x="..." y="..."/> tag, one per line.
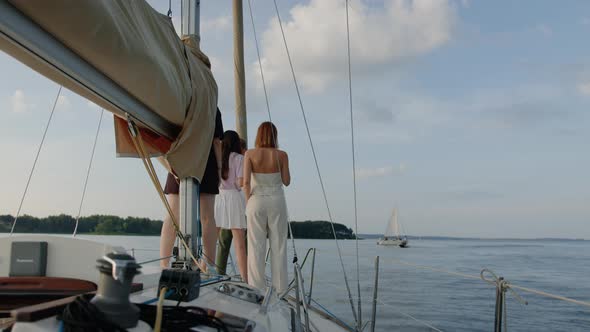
<point x="553" y="296"/>
<point x="509" y="285"/>
<point x="214" y="264"/>
<point x="154" y="177"/>
<point x="295" y="257"/>
<point x="436" y="269"/>
<point x="315" y="160"/>
<point x="332" y="315"/>
<point x="142" y="249"/>
<point x="259" y="61"/>
<point x="140" y="148"/>
<point x="393" y="307"/>
<point x="35" y="162"/>
<point x="410" y="316"/>
<point x="356" y="231"/>
<point x="155" y="260"/>
<point x="88" y="172"/>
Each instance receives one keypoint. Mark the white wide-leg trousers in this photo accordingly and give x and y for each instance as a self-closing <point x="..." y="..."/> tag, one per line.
<point x="267" y="216"/>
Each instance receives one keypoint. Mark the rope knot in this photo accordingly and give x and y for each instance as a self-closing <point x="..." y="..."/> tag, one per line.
<point x="500" y="283"/>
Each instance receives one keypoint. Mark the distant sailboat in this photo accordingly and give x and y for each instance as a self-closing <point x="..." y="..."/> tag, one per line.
<point x="392" y="236"/>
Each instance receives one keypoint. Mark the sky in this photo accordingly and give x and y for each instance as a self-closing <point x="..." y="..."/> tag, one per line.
<point x="470" y="117"/>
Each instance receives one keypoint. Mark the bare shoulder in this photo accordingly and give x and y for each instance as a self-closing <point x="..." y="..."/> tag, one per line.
<point x="283" y="154"/>
<point x="250" y="152"/>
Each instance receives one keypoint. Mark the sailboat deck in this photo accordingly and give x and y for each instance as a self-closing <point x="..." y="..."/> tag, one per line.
<point x="278" y="317"/>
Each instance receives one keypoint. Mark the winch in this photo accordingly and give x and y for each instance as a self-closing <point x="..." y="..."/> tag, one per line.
<point x="117" y="270"/>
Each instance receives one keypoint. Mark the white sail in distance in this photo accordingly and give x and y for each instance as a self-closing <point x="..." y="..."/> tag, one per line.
<point x="392" y="229"/>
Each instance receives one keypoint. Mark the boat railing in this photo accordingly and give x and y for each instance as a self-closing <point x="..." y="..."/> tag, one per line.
<point x="487" y="276"/>
<point x="300" y="302"/>
<point x="304" y="299"/>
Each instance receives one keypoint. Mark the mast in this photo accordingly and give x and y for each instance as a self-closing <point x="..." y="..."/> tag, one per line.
<point x="239" y="77"/>
<point x="190" y="216"/>
<point x="191" y="18"/>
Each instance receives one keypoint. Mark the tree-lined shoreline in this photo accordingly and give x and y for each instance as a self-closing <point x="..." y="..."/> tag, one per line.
<point x="115" y="225"/>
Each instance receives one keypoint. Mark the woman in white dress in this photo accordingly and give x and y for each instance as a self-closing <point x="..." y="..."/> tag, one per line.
<point x="230" y="204"/>
<point x="266" y="170"/>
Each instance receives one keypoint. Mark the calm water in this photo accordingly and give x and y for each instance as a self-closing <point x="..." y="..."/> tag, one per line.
<point x="447" y="302"/>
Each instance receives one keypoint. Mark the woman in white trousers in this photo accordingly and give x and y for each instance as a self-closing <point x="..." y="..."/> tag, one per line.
<point x="266" y="170"/>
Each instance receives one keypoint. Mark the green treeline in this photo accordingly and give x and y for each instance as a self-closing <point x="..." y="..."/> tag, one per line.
<point x="96" y="224"/>
<point x="320" y="230"/>
<point x="114" y="225"/>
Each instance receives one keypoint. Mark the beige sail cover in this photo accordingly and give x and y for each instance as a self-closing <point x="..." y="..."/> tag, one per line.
<point x="137" y="48"/>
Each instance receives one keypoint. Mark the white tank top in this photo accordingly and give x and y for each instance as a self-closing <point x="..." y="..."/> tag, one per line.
<point x="266" y="184"/>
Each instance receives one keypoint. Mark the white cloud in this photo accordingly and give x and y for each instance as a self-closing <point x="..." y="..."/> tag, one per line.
<point x="373" y="112"/>
<point x="220" y="23"/>
<point x="402" y="167"/>
<point x="19" y="102"/>
<point x="217" y="66"/>
<point x="364" y="173"/>
<point x="63" y="103"/>
<point x="316" y="35"/>
<point x="544" y="30"/>
<point x="176" y="24"/>
<point x="584" y="88"/>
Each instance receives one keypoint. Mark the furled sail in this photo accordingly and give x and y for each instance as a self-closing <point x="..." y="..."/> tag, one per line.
<point x="138" y="50"/>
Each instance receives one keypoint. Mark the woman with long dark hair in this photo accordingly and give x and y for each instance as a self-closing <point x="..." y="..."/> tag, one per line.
<point x="230" y="205"/>
<point x="266" y="170"/>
